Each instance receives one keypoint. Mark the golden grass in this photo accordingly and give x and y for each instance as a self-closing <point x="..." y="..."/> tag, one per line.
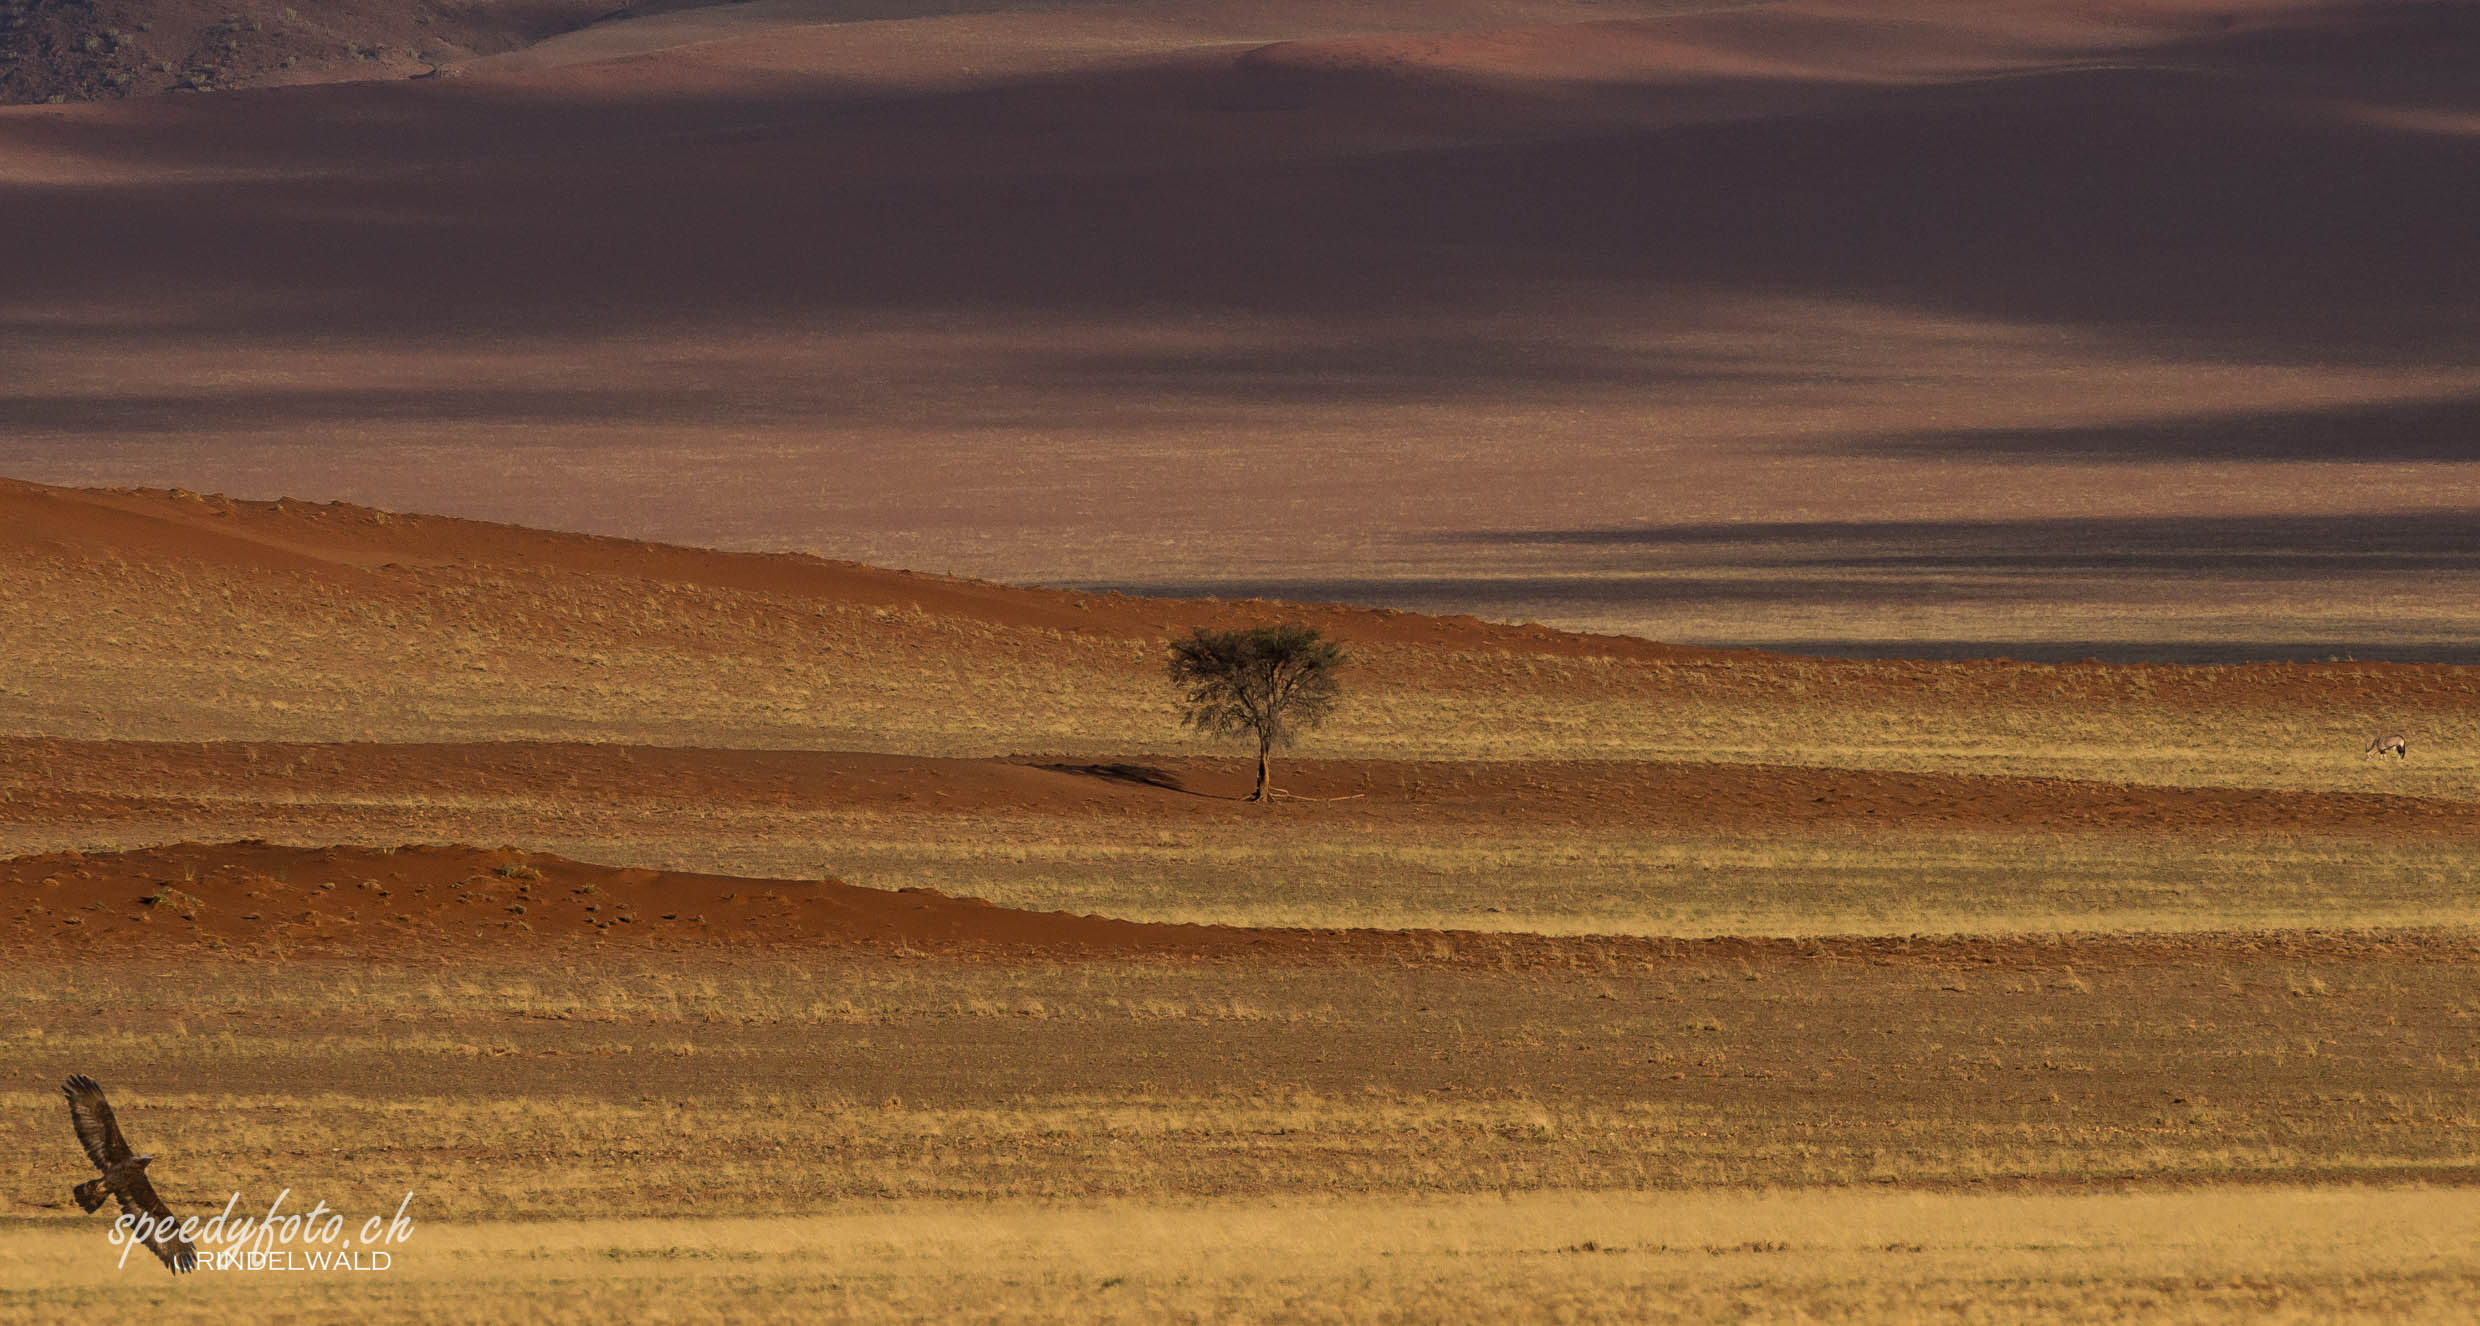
<point x="1123" y="1140"/>
<point x="2268" y="1255"/>
<point x="704" y="1086"/>
<point x="1543" y="877"/>
<point x="158" y="653"/>
<point x="1553" y="882"/>
<point x="1141" y="1141"/>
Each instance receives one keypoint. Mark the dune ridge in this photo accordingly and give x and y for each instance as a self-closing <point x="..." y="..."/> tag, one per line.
<point x="254" y="898"/>
<point x="94" y="784"/>
<point x="356" y="546"/>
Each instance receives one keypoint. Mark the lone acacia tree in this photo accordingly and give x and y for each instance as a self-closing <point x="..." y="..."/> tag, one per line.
<point x="1269" y="682"/>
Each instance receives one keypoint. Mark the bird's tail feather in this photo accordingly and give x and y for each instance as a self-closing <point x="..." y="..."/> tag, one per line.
<point x="90" y="1195"/>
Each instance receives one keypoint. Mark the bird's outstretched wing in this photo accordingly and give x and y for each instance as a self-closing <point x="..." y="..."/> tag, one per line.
<point x="138" y="1199"/>
<point x="92" y="1115"/>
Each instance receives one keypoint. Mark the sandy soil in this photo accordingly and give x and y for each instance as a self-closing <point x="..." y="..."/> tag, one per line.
<point x="259" y="899"/>
<point x="354" y="548"/>
<point x="1861" y="322"/>
<point x="165" y="616"/>
<point x="362" y="553"/>
<point x="91" y="784"/>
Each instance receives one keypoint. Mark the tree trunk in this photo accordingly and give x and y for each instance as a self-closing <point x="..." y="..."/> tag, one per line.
<point x="1265" y="779"/>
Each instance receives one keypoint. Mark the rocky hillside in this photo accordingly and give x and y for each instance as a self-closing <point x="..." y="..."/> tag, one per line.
<point x="84" y="50"/>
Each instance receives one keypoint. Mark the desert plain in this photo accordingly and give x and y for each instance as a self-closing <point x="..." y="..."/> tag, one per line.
<point x="711" y="935"/>
<point x="1870" y="536"/>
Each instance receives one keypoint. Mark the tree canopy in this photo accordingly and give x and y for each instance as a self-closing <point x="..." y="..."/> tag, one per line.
<point x="1270" y="682"/>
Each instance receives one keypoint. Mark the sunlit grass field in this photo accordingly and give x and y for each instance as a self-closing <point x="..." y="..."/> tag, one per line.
<point x="705" y="1085"/>
<point x="2263" y="1255"/>
<point x="168" y="653"/>
<point x="713" y="1138"/>
<point x="2220" y="1126"/>
<point x="1546" y="877"/>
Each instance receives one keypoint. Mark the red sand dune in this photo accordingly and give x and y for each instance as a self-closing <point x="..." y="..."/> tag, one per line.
<point x="98" y="782"/>
<point x="379" y="901"/>
<point x="430" y="903"/>
<point x="354" y="545"/>
<point x="359" y="551"/>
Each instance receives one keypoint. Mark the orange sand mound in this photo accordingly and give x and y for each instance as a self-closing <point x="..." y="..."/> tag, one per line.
<point x="377" y="901"/>
<point x="357" y="546"/>
<point x="436" y="902"/>
<point x="81" y="782"/>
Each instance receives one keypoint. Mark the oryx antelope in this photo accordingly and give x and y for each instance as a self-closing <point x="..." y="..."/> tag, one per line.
<point x="2386" y="745"/>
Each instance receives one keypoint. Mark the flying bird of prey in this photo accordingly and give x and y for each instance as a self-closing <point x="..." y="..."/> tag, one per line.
<point x="124" y="1174"/>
